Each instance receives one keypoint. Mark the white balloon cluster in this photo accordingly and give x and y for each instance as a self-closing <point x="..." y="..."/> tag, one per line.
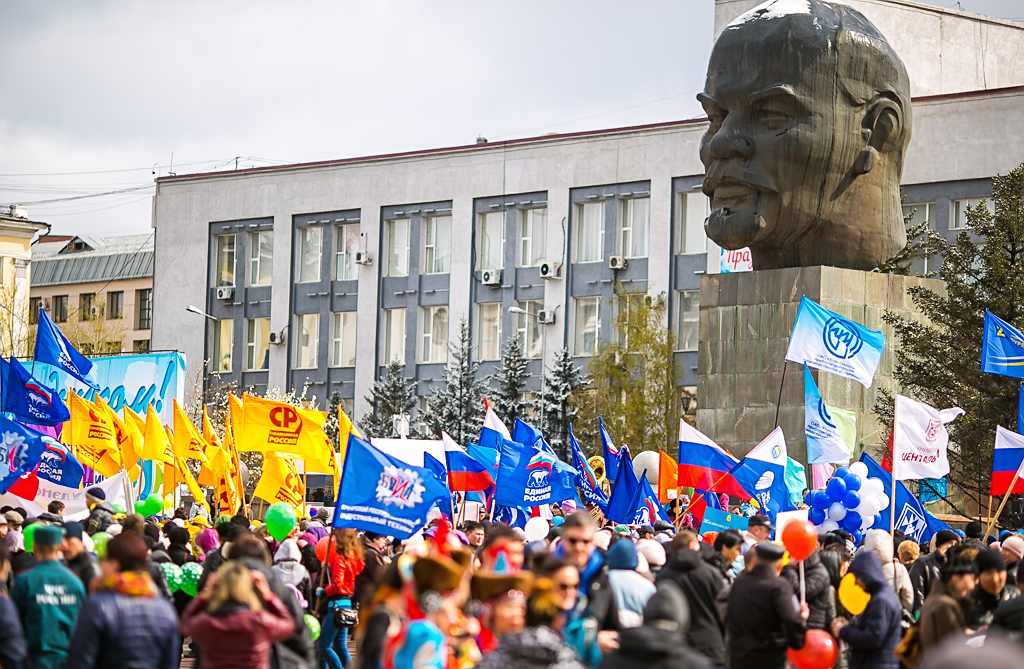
<point x="851" y="501"/>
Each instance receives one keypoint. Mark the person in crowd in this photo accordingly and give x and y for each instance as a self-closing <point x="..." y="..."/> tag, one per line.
<point x="908" y="552"/>
<point x="56" y="507"/>
<point x="13" y="651"/>
<point x="344" y="564"/>
<point x="228" y="533"/>
<point x="101" y="514"/>
<point x="1012" y="550"/>
<point x="759" y="528"/>
<point x="701" y="584"/>
<point x="501" y="539"/>
<point x="206" y="540"/>
<point x="80" y="561"/>
<point x="289" y="570"/>
<point x="880" y="543"/>
<point x="728" y="558"/>
<point x="48" y="597"/>
<point x="577" y="547"/>
<point x="236" y="619"/>
<point x="475" y="532"/>
<point x="817" y="589"/>
<point x="178" y="551"/>
<point x="659" y="643"/>
<point x="991" y="590"/>
<point x="631" y="590"/>
<point x="942" y="615"/>
<point x="150" y="533"/>
<point x="376" y="561"/>
<point x="125" y="623"/>
<point x="382" y="612"/>
<point x="764" y="617"/>
<point x="654" y="552"/>
<point x="198" y="508"/>
<point x="925" y="572"/>
<point x="503" y="596"/>
<point x="307" y="548"/>
<point x="873" y="634"/>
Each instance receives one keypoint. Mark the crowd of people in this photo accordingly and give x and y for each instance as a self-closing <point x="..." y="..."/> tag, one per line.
<point x="589" y="594"/>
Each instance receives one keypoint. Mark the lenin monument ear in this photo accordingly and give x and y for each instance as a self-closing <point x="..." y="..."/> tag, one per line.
<point x="883" y="125"/>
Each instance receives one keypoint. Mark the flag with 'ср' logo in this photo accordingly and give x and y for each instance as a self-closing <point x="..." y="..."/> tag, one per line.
<point x="827" y="341"/>
<point x="268" y="425"/>
<point x="280" y="481"/>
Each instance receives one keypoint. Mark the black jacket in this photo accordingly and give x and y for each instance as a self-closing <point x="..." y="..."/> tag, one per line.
<point x="100" y="518"/>
<point x="701" y="583"/>
<point x="1009" y="618"/>
<point x="763" y="620"/>
<point x="115" y="630"/>
<point x="874" y="634"/>
<point x="85" y="566"/>
<point x="924" y="574"/>
<point x="816" y="590"/>
<point x="1011" y="572"/>
<point x="13" y="650"/>
<point x="179" y="555"/>
<point x="983" y="605"/>
<point x="366" y="582"/>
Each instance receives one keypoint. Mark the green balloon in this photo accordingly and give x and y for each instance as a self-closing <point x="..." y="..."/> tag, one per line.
<point x="154" y="505"/>
<point x="172" y="573"/>
<point x="190" y="573"/>
<point x="118" y="508"/>
<point x="140" y="507"/>
<point x="280" y="520"/>
<point x="99" y="544"/>
<point x="313" y="624"/>
<point x="29" y="535"/>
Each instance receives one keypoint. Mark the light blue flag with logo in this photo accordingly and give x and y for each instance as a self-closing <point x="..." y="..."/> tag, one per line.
<point x="1002" y="348"/>
<point x="825" y="444"/>
<point x="646" y="508"/>
<point x="825" y="340"/>
<point x="763" y="473"/>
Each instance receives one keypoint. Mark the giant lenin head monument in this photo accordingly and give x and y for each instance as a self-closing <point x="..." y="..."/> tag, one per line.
<point x="809" y="110"/>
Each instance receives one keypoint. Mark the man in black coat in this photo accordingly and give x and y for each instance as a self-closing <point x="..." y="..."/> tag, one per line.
<point x="82" y="562"/>
<point x="817" y="585"/>
<point x="701" y="584"/>
<point x="764" y="617"/>
<point x="924" y="573"/>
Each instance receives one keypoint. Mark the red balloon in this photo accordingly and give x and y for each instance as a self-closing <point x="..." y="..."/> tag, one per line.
<point x="709" y="537"/>
<point x="800" y="539"/>
<point x="321" y="549"/>
<point x="820" y="651"/>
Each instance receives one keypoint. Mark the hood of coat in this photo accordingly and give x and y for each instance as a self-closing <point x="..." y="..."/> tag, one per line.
<point x="536" y="646"/>
<point x="287" y="563"/>
<point x="684" y="560"/>
<point x="868" y="569"/>
<point x="879" y="542"/>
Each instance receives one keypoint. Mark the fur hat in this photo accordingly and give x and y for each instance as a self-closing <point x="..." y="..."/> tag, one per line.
<point x="488" y="585"/>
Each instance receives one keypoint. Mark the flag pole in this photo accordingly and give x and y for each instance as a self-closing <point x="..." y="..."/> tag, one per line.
<point x="778" y="405"/>
<point x="892" y="494"/>
<point x="988" y="517"/>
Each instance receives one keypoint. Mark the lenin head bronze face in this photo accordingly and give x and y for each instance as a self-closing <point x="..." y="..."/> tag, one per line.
<point x="809" y="111"/>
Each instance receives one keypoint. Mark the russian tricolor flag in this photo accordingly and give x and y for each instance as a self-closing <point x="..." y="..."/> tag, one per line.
<point x="705" y="465"/>
<point x="1007" y="460"/>
<point x="465" y="474"/>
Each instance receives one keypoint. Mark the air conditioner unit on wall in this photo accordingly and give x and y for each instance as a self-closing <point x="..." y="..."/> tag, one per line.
<point x="491" y="277"/>
<point x="617" y="262"/>
<point x="276" y="337"/>
<point x="546" y="316"/>
<point x="362" y="258"/>
<point x="551" y="270"/>
<point x="225" y="292"/>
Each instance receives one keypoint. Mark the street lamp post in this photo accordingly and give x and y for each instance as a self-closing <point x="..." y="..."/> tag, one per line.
<point x="196" y="310"/>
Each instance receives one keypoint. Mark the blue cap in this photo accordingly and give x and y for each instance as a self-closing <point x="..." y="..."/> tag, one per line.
<point x="961" y="534"/>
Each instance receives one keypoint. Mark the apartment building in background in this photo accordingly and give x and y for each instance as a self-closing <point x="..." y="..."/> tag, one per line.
<point x="99" y="290"/>
<point x="16" y="234"/>
<point x="319" y="274"/>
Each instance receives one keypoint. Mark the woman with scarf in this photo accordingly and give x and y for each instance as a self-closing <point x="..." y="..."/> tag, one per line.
<point x="205" y="542"/>
<point x="125" y="623"/>
<point x="289" y="571"/>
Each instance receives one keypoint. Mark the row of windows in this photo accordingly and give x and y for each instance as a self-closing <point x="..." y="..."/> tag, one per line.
<point x="89" y="308"/>
<point x="926" y="211"/>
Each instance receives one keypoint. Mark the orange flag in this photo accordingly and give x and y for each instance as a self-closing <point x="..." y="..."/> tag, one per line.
<point x="130" y="450"/>
<point x="668" y="477"/>
<point x="155" y="444"/>
<point x="90" y="433"/>
<point x="188" y="443"/>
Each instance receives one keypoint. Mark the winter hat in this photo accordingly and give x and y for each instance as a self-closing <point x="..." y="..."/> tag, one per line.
<point x="989" y="559"/>
<point x="48" y="535"/>
<point x="73" y="530"/>
<point x="14" y="518"/>
<point x="1014" y="545"/>
<point x="602" y="539"/>
<point x="667" y="608"/>
<point x="945" y="536"/>
<point x="622" y="555"/>
<point x="653" y="551"/>
<point x="568" y="506"/>
<point x="974" y="530"/>
<point x="95" y="494"/>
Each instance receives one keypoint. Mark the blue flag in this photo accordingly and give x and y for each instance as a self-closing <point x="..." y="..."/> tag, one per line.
<point x="59" y="465"/>
<point x="825" y="340"/>
<point x="763" y="473"/>
<point x="436" y="467"/>
<point x="382" y="494"/>
<point x="27" y="397"/>
<point x="1020" y="410"/>
<point x="911" y="517"/>
<point x="824" y="442"/>
<point x="624" y="487"/>
<point x="647" y="509"/>
<point x="53" y="348"/>
<point x="612" y="455"/>
<point x="21" y="451"/>
<point x="527" y="434"/>
<point x="1002" y="348"/>
<point x="585" y="478"/>
<point x="511" y="516"/>
<point x="529" y="476"/>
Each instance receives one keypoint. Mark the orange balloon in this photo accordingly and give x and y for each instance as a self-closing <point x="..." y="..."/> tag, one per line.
<point x="321" y="549"/>
<point x="709" y="537"/>
<point x="820" y="651"/>
<point x="800" y="539"/>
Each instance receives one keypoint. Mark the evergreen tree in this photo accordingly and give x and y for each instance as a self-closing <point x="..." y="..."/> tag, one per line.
<point x="331" y="424"/>
<point x="559" y="401"/>
<point x="939" y="362"/>
<point x="391" y="396"/>
<point x="458" y="406"/>
<point x="508" y="391"/>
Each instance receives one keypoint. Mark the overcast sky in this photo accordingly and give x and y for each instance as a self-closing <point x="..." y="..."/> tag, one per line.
<point x="97" y="95"/>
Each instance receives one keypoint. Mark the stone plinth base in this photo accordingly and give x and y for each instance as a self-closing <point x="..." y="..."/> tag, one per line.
<point x="745" y="323"/>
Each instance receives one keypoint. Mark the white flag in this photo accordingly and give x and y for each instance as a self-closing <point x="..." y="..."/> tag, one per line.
<point x="919" y="440"/>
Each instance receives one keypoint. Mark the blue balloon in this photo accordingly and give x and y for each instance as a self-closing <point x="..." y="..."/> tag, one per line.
<point x="817" y="516"/>
<point x="841" y="473"/>
<point x="852" y="522"/>
<point x="836" y="489"/>
<point x="853" y="482"/>
<point x="851" y="500"/>
<point x="807" y="497"/>
<point x="820" y="500"/>
<point x="857" y="536"/>
<point x="877" y="522"/>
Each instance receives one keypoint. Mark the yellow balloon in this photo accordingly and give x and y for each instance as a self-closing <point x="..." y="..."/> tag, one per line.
<point x="852" y="596"/>
<point x="168" y="503"/>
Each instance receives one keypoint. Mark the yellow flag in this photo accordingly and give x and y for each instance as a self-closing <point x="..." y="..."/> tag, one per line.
<point x="280" y="481"/>
<point x="193" y="487"/>
<point x="188" y="443"/>
<point x="155" y="444"/>
<point x="136" y="426"/>
<point x="92" y="436"/>
<point x="345" y="426"/>
<point x="324" y="461"/>
<point x="122" y="436"/>
<point x="268" y="426"/>
<point x="210" y="474"/>
<point x="229" y="447"/>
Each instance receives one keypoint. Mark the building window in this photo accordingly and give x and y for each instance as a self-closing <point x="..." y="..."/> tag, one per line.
<point x="257" y="344"/>
<point x="225" y="260"/>
<point x="309" y="253"/>
<point x="261" y="257"/>
<point x="34" y="305"/>
<point x="918" y="214"/>
<point x="634" y="221"/>
<point x="590" y="232"/>
<point x="111" y="347"/>
<point x="346" y="244"/>
<point x="529" y="328"/>
<point x="687" y="320"/>
<point x="86" y="304"/>
<point x="533" y="230"/>
<point x="398" y="247"/>
<point x="343" y="339"/>
<point x="140" y="346"/>
<point x="959" y="221"/>
<point x="434" y="339"/>
<point x="223" y="338"/>
<point x="394" y="336"/>
<point x="490" y="250"/>
<point x="144" y="307"/>
<point x="437" y="244"/>
<point x="692" y="210"/>
<point x="307" y="339"/>
<point x="115" y="305"/>
<point x="60" y="308"/>
<point x="587" y="324"/>
<point x="489" y="337"/>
